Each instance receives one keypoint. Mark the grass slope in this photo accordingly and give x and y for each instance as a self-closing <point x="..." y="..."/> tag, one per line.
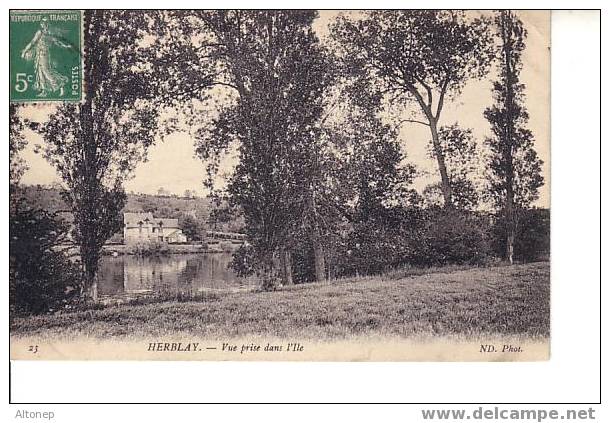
<point x="496" y="301"/>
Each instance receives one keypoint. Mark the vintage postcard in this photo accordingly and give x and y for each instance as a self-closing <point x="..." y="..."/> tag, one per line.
<point x="289" y="185"/>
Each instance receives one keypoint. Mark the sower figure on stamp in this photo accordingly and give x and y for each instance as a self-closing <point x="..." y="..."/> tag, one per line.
<point x="48" y="79"/>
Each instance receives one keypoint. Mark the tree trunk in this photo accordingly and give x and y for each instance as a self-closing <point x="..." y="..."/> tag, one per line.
<point x="268" y="276"/>
<point x="318" y="256"/>
<point x="511" y="116"/>
<point x="440" y="158"/>
<point x="511" y="221"/>
<point x="510" y="241"/>
<point x="93" y="291"/>
<point x="287" y="267"/>
<point x="318" y="251"/>
<point x="90" y="288"/>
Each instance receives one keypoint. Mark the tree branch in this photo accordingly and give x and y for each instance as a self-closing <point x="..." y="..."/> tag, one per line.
<point x="441" y="98"/>
<point x="225" y="84"/>
<point x="428" y="90"/>
<point x="411" y="121"/>
<point x="413" y="90"/>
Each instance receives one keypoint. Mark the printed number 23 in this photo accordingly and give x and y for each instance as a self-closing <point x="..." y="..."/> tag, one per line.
<point x="33" y="349"/>
<point x="22" y="82"/>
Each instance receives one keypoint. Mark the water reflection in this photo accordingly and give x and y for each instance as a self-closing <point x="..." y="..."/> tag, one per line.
<point x="185" y="273"/>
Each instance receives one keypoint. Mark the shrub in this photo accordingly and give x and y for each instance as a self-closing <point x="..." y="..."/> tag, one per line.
<point x="451" y="236"/>
<point x="243" y="261"/>
<point x="420" y="237"/>
<point x="533" y="237"/>
<point x="191" y="227"/>
<point x="41" y="278"/>
<point x="373" y="248"/>
<point x="303" y="266"/>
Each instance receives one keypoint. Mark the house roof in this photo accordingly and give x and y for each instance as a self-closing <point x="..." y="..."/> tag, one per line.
<point x="132" y="220"/>
<point x="167" y="223"/>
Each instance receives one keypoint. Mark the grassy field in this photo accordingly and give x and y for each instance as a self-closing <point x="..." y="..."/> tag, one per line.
<point x="494" y="301"/>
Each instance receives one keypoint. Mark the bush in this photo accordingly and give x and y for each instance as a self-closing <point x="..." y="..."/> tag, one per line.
<point x="243" y="261"/>
<point x="418" y="237"/>
<point x="191" y="227"/>
<point x="533" y="238"/>
<point x="41" y="278"/>
<point x="451" y="236"/>
<point x="533" y="235"/>
<point x="303" y="265"/>
<point x="373" y="248"/>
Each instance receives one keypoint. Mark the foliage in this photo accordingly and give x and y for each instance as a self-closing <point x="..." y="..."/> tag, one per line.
<point x="514" y="161"/>
<point x="191" y="228"/>
<point x="425" y="56"/>
<point x="533" y="238"/>
<point x="16" y="143"/>
<point x="43" y="197"/>
<point x="182" y="55"/>
<point x="95" y="144"/>
<point x="461" y="155"/>
<point x="515" y="169"/>
<point x="533" y="241"/>
<point x="375" y="247"/>
<point x="322" y="182"/>
<point x="243" y="262"/>
<point x="41" y="277"/>
<point x="152" y="248"/>
<point x="223" y="216"/>
<point x="274" y="62"/>
<point x="368" y="185"/>
<point x="450" y="236"/>
<point x="303" y="263"/>
<point x="415" y="237"/>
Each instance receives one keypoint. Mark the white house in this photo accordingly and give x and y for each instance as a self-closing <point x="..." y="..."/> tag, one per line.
<point x="144" y="227"/>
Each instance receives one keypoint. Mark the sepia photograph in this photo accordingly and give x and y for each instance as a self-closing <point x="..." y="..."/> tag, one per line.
<point x="280" y="185"/>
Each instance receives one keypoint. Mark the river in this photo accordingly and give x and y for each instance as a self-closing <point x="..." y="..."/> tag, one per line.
<point x="175" y="273"/>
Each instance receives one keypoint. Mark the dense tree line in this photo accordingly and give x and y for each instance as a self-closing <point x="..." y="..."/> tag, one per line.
<point x="369" y="215"/>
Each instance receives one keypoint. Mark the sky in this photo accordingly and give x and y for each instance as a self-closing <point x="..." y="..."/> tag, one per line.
<point x="172" y="164"/>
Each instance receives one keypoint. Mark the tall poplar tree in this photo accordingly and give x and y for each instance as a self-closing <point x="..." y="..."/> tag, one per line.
<point x="515" y="169"/>
<point x="94" y="144"/>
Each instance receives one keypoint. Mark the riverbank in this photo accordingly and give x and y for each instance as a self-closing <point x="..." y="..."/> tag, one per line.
<point x="210" y="247"/>
<point x="465" y="303"/>
<point x="121" y="249"/>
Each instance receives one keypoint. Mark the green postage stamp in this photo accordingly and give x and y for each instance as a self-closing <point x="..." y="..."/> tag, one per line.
<point x="45" y="55"/>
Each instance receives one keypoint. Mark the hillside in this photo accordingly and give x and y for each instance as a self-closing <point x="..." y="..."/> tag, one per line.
<point x="168" y="206"/>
